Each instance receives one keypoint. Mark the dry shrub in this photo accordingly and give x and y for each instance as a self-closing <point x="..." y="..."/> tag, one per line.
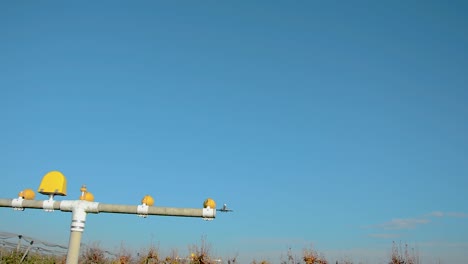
<point x="261" y="262"/>
<point x="310" y="256"/>
<point x="173" y="258"/>
<point x="124" y="256"/>
<point x="93" y="254"/>
<point x="403" y="256"/>
<point x="200" y="254"/>
<point x="149" y="257"/>
<point x="232" y="260"/>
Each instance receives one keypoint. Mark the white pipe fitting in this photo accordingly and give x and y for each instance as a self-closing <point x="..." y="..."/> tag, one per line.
<point x="142" y="210"/>
<point x="79" y="209"/>
<point x="48" y="205"/>
<point x="17" y="204"/>
<point x="208" y="213"/>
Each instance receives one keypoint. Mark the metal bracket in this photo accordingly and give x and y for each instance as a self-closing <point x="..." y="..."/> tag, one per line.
<point x="208" y="214"/>
<point x="48" y="205"/>
<point x="17" y="204"/>
<point x="142" y="210"/>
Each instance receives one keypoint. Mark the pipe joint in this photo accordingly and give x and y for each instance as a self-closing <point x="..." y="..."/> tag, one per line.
<point x="142" y="210"/>
<point x="79" y="209"/>
<point x="17" y="204"/>
<point x="48" y="205"/>
<point x="78" y="218"/>
<point x="209" y="213"/>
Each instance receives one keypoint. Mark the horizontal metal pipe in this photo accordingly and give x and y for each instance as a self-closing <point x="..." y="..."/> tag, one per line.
<point x="152" y="210"/>
<point x="34" y="204"/>
<point x="115" y="208"/>
<point x="5" y="202"/>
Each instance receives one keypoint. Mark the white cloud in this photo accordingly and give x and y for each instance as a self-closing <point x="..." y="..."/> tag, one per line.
<point x="411" y="223"/>
<point x="385" y="235"/>
<point x="402" y="223"/>
<point x="437" y="214"/>
<point x="449" y="214"/>
<point x="443" y="244"/>
<point x="457" y="214"/>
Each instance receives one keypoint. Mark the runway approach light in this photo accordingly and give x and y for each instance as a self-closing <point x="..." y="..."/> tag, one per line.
<point x="209" y="203"/>
<point x="209" y="209"/>
<point x="53" y="183"/>
<point x="27" y="194"/>
<point x="142" y="209"/>
<point x="148" y="200"/>
<point x="85" y="195"/>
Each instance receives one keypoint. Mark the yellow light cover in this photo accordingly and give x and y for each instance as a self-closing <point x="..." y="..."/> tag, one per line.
<point x="209" y="202"/>
<point x="87" y="197"/>
<point x="148" y="200"/>
<point x="53" y="182"/>
<point x="27" y="194"/>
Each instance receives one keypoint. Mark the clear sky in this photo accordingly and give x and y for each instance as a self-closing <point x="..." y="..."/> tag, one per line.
<point x="337" y="124"/>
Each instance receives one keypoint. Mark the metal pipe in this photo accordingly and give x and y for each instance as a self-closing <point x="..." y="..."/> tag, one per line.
<point x="5" y="202"/>
<point x="33" y="204"/>
<point x="26" y="253"/>
<point x="113" y="208"/>
<point x="19" y="243"/>
<point x="74" y="247"/>
<point x="152" y="210"/>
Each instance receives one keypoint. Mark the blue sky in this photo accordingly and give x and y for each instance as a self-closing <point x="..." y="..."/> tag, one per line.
<point x="336" y="124"/>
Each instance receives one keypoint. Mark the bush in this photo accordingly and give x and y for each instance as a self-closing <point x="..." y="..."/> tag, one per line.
<point x="400" y="256"/>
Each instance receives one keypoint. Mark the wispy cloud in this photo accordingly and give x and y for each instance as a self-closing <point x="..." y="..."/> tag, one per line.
<point x="436" y="214"/>
<point x="385" y="235"/>
<point x="274" y="242"/>
<point x="411" y="223"/>
<point x="403" y="223"/>
<point x="458" y="214"/>
<point x="443" y="244"/>
<point x="449" y="214"/>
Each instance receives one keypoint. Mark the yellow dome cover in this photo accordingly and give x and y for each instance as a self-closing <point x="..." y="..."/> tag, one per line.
<point x="87" y="197"/>
<point x="53" y="182"/>
<point x="27" y="194"/>
<point x="209" y="203"/>
<point x="148" y="200"/>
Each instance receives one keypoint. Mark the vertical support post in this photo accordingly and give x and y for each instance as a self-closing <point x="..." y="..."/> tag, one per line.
<point x="18" y="247"/>
<point x="74" y="247"/>
<point x="76" y="232"/>
<point x="26" y="253"/>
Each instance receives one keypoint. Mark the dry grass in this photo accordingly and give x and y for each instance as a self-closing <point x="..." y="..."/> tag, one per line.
<point x="9" y="256"/>
<point x="199" y="254"/>
<point x="403" y="255"/>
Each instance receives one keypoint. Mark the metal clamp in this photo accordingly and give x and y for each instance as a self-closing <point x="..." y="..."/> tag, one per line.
<point x="48" y="205"/>
<point x="17" y="204"/>
<point x="208" y="214"/>
<point x="142" y="210"/>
